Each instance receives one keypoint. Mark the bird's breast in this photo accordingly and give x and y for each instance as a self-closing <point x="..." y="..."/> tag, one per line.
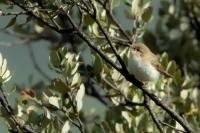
<point x="142" y="69"/>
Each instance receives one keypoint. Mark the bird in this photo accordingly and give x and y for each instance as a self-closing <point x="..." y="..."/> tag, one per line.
<point x="144" y="64"/>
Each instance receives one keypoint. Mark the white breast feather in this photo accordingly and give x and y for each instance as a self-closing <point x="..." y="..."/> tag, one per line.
<point x="142" y="70"/>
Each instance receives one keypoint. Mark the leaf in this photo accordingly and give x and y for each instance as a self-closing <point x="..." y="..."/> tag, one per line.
<point x="33" y="117"/>
<point x="128" y="117"/>
<point x="20" y="110"/>
<point x="66" y="127"/>
<point x="1" y="13"/>
<point x="59" y="86"/>
<point x="98" y="64"/>
<point x="164" y="60"/>
<point x="178" y="78"/>
<point x="119" y="128"/>
<point x="116" y="3"/>
<point x="106" y="126"/>
<point x="74" y="70"/>
<point x="76" y="79"/>
<point x="142" y="125"/>
<point x="48" y="114"/>
<point x="4" y="72"/>
<point x="79" y="97"/>
<point x="88" y="19"/>
<point x="136" y="8"/>
<point x="128" y="2"/>
<point x="171" y="67"/>
<point x="55" y="58"/>
<point x="53" y="100"/>
<point x="53" y="127"/>
<point x="11" y="22"/>
<point x="147" y="13"/>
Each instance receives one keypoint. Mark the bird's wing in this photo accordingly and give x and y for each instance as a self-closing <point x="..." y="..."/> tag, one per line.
<point x="159" y="67"/>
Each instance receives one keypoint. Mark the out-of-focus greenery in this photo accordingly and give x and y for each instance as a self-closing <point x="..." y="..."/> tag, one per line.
<point x="57" y="107"/>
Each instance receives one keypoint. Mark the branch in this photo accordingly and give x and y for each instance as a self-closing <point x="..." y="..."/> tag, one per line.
<point x="111" y="45"/>
<point x="128" y="77"/>
<point x="133" y="80"/>
<point x="114" y="20"/>
<point x="91" y="45"/>
<point x="153" y="116"/>
<point x="31" y="13"/>
<point x="21" y="128"/>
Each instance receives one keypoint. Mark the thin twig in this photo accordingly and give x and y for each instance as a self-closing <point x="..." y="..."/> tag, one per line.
<point x="115" y="21"/>
<point x="153" y="116"/>
<point x="129" y="77"/>
<point x="134" y="81"/>
<point x="23" y="128"/>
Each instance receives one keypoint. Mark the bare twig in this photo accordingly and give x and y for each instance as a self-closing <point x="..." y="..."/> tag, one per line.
<point x="153" y="116"/>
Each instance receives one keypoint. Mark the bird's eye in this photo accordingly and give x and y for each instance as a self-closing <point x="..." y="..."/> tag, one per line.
<point x="137" y="49"/>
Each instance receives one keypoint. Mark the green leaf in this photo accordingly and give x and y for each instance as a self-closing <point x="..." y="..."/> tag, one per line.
<point x="142" y="125"/>
<point x="74" y="70"/>
<point x="164" y="60"/>
<point x="136" y="8"/>
<point x="33" y="117"/>
<point x="76" y="79"/>
<point x="53" y="127"/>
<point x="55" y="101"/>
<point x="55" y="58"/>
<point x="79" y="97"/>
<point x="98" y="64"/>
<point x="59" y="86"/>
<point x="66" y="127"/>
<point x="11" y="22"/>
<point x="105" y="126"/>
<point x="178" y="77"/>
<point x="147" y="14"/>
<point x="88" y="19"/>
<point x="128" y="2"/>
<point x="171" y="67"/>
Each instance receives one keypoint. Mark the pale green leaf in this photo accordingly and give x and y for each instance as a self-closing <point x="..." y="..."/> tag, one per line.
<point x="55" y="101"/>
<point x="66" y="127"/>
<point x="79" y="97"/>
<point x="76" y="79"/>
<point x="55" y="58"/>
<point x="74" y="70"/>
<point x="136" y="8"/>
<point x="119" y="128"/>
